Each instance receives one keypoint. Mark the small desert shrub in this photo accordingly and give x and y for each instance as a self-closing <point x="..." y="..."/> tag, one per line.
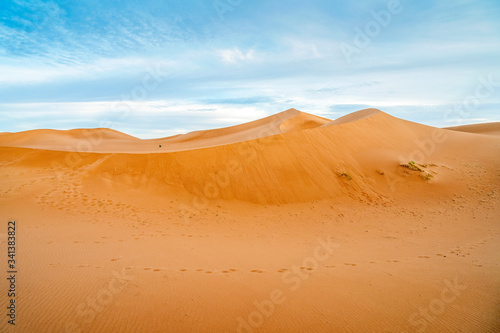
<point x="345" y="175"/>
<point x="412" y="166"/>
<point x="380" y="172"/>
<point x="426" y="176"/>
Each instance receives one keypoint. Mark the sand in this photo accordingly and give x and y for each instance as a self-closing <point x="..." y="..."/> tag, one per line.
<point x="291" y="223"/>
<point x="488" y="128"/>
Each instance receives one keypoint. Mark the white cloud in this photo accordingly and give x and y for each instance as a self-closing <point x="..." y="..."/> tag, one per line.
<point x="303" y="48"/>
<point x="129" y="117"/>
<point x="235" y="54"/>
<point x="33" y="71"/>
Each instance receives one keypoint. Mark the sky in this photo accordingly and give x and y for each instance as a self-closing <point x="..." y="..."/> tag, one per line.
<point x="154" y="68"/>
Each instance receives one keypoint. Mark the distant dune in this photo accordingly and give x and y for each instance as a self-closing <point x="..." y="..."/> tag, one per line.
<point x="488" y="128"/>
<point x="208" y="228"/>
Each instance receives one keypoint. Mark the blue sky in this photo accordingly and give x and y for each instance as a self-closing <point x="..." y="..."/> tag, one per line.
<point x="154" y="68"/>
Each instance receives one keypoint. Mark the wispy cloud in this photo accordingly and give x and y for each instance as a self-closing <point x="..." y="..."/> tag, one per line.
<point x="264" y="57"/>
<point x="156" y="116"/>
<point x="235" y="54"/>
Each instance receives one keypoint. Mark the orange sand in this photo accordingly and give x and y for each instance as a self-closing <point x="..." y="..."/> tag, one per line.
<point x="291" y="223"/>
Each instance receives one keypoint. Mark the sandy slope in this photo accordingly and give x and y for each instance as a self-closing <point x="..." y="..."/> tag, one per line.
<point x="291" y="223"/>
<point x="489" y="128"/>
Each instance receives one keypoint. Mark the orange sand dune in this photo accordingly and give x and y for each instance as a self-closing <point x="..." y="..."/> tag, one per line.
<point x="71" y="140"/>
<point x="355" y="116"/>
<point x="107" y="140"/>
<point x="301" y="165"/>
<point x="286" y="121"/>
<point x="291" y="223"/>
<point x="488" y="128"/>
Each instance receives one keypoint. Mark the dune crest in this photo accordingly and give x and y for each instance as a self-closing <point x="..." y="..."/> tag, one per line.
<point x="488" y="128"/>
<point x="302" y="121"/>
<point x="288" y="157"/>
<point x="110" y="141"/>
<point x="355" y="116"/>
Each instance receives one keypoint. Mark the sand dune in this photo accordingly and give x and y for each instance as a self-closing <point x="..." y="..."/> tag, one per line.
<point x="355" y="116"/>
<point x="291" y="223"/>
<point x="489" y="128"/>
<point x="298" y="165"/>
<point x="107" y="140"/>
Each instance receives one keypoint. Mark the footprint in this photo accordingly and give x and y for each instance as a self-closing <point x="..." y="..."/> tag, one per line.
<point x="282" y="270"/>
<point x="156" y="270"/>
<point x="423" y="256"/>
<point x="147" y="268"/>
<point x="183" y="269"/>
<point x="256" y="271"/>
<point x="348" y="264"/>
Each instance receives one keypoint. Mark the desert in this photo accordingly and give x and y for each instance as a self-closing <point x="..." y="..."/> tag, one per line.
<point x="290" y="223"/>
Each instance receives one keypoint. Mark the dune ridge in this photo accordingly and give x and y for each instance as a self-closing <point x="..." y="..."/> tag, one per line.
<point x="288" y="157"/>
<point x="108" y="141"/>
<point x="291" y="223"/>
<point x="354" y="116"/>
<point x="488" y="128"/>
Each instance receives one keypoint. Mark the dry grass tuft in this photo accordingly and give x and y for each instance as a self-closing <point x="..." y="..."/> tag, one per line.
<point x="345" y="175"/>
<point x="426" y="176"/>
<point x="412" y="166"/>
